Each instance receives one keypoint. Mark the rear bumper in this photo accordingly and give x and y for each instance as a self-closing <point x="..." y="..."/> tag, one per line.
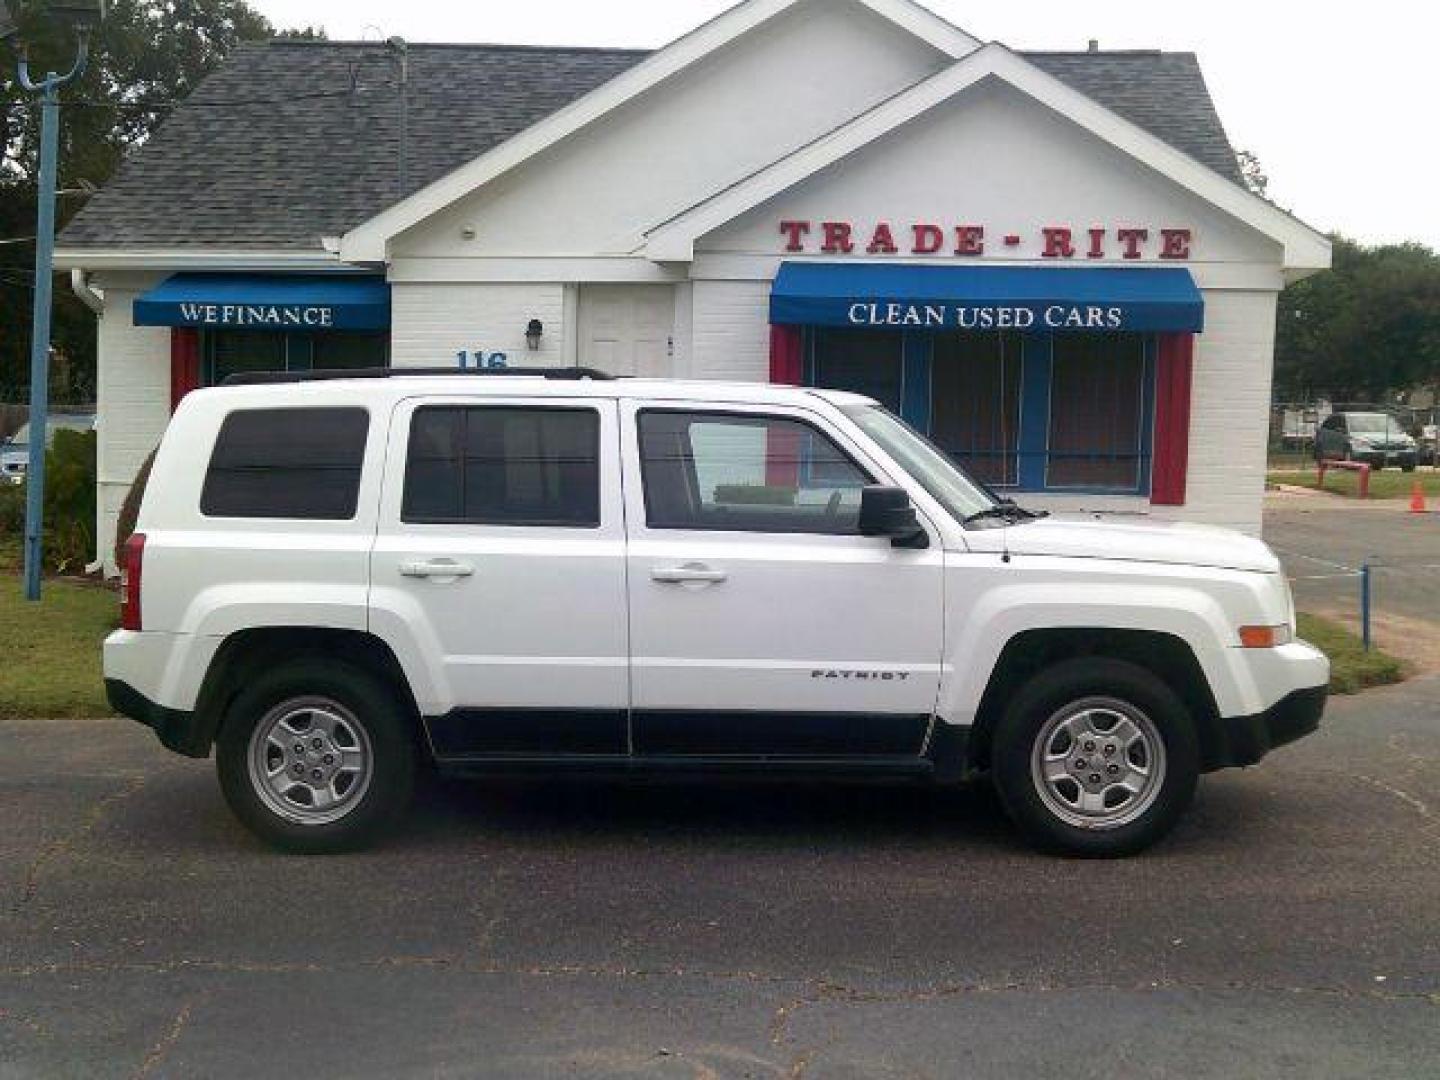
<point x="1245" y="740"/>
<point x="177" y="730"/>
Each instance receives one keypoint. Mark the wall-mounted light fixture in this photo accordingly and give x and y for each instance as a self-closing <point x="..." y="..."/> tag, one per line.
<point x="534" y="333"/>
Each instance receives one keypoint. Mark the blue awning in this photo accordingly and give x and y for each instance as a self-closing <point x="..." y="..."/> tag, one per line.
<point x="1036" y="299"/>
<point x="288" y="302"/>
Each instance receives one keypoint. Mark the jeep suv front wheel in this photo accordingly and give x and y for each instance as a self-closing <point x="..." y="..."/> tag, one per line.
<point x="1096" y="757"/>
<point x="316" y="757"/>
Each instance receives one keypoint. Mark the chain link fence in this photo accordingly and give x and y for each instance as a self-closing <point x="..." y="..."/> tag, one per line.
<point x="72" y="393"/>
<point x="1293" y="427"/>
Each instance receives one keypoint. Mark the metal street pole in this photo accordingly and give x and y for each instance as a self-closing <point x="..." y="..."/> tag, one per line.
<point x="49" y="90"/>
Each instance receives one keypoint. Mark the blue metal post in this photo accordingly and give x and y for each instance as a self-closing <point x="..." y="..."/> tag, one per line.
<point x="1365" y="604"/>
<point x="49" y="90"/>
<point x="40" y="346"/>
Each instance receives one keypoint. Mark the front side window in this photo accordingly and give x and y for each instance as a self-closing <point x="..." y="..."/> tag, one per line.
<point x="740" y="473"/>
<point x="504" y="465"/>
<point x="300" y="464"/>
<point x="1097" y="407"/>
<point x="1022" y="412"/>
<point x="975" y="403"/>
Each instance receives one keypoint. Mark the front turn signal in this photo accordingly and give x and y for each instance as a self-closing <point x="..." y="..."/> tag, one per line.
<point x="1265" y="637"/>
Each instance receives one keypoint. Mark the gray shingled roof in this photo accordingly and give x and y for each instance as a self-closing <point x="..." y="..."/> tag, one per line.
<point x="1162" y="92"/>
<point x="273" y="151"/>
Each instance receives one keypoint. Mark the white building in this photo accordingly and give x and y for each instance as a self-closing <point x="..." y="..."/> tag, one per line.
<point x="1046" y="261"/>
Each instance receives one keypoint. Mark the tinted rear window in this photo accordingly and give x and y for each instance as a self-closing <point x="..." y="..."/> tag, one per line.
<point x="301" y="464"/>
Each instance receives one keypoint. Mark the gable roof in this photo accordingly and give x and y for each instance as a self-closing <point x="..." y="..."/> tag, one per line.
<point x="674" y="240"/>
<point x="257" y="159"/>
<point x="1163" y="92"/>
<point x="274" y="151"/>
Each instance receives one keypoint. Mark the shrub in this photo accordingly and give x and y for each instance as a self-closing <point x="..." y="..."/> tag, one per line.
<point x="130" y="508"/>
<point x="70" y="475"/>
<point x="12" y="512"/>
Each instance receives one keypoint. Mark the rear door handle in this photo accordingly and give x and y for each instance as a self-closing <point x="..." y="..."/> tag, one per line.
<point x="436" y="568"/>
<point x="690" y="574"/>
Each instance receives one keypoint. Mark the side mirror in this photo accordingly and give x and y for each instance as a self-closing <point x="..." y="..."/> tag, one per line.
<point x="888" y="512"/>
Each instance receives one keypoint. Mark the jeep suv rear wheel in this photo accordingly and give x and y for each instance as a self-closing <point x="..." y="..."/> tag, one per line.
<point x="316" y="757"/>
<point x="1096" y="757"/>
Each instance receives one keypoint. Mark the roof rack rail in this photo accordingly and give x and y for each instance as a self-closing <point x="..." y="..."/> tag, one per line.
<point x="267" y="378"/>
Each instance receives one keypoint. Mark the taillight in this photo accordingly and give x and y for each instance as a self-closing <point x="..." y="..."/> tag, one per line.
<point x="130" y="583"/>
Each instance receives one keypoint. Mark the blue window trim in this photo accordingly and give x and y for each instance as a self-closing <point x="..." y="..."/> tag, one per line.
<point x="917" y="355"/>
<point x="1033" y="441"/>
<point x="1144" y="442"/>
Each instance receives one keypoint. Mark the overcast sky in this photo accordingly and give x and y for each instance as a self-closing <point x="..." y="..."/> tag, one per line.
<point x="1343" y="113"/>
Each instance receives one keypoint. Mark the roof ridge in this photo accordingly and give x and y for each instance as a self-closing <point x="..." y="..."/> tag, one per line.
<point x="1102" y="52"/>
<point x="305" y="43"/>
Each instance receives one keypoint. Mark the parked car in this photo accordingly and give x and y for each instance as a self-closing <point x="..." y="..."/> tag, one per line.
<point x="1429" y="442"/>
<point x="1372" y="438"/>
<point x="334" y="577"/>
<point x="15" y="452"/>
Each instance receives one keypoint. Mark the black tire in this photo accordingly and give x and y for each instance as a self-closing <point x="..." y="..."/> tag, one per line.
<point x="362" y="698"/>
<point x="1076" y="685"/>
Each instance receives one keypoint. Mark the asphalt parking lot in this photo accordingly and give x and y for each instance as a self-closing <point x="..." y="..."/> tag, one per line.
<point x="1290" y="928"/>
<point x="1322" y="540"/>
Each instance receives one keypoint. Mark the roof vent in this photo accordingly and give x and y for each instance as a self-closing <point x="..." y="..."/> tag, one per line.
<point x="1094" y="44"/>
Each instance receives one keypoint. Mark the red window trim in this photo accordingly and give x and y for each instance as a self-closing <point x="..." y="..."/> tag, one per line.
<point x="787" y="355"/>
<point x="184" y="363"/>
<point x="1173" y="386"/>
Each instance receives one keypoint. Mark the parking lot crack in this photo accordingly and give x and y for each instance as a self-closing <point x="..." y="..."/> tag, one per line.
<point x="65" y="844"/>
<point x="1414" y="802"/>
<point x="161" y="1050"/>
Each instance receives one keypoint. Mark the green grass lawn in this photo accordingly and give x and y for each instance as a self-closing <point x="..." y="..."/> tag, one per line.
<point x="1390" y="484"/>
<point x="50" y="651"/>
<point x="1352" y="668"/>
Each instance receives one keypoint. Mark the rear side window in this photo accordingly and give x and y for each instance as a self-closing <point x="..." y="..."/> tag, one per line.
<point x="503" y="465"/>
<point x="301" y="464"/>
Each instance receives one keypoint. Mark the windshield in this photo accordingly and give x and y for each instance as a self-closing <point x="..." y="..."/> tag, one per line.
<point x="1373" y="424"/>
<point x="931" y="467"/>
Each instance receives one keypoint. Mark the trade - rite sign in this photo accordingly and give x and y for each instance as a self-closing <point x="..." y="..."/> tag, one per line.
<point x="971" y="241"/>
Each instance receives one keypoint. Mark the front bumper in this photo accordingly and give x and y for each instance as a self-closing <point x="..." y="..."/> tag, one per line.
<point x="1245" y="740"/>
<point x="177" y="730"/>
<point x="1378" y="459"/>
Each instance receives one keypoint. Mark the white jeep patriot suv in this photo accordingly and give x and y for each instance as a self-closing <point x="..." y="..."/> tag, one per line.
<point x="335" y="578"/>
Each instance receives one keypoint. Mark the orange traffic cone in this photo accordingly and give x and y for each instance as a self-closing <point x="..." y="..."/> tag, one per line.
<point x="1417" y="499"/>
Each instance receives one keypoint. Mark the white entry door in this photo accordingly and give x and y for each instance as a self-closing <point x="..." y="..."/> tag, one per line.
<point x="628" y="329"/>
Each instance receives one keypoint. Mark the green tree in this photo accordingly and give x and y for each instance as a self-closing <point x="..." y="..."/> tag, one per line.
<point x="1253" y="173"/>
<point x="146" y="54"/>
<point x="1365" y="331"/>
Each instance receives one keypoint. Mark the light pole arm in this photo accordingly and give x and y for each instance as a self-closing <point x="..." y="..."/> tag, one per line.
<point x="52" y="81"/>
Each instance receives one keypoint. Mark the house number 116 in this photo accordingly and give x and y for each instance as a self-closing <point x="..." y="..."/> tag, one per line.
<point x="482" y="360"/>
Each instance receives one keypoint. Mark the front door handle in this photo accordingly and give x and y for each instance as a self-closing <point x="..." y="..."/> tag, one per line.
<point x="689" y="574"/>
<point x="436" y="568"/>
